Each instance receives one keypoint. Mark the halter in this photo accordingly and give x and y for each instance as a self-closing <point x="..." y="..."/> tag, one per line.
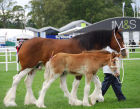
<point x="121" y="59"/>
<point x="118" y="42"/>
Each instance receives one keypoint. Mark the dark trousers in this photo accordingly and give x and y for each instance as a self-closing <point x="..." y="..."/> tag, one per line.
<point x="109" y="79"/>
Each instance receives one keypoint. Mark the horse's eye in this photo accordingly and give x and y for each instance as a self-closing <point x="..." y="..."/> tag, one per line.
<point x="114" y="62"/>
<point x="119" y="39"/>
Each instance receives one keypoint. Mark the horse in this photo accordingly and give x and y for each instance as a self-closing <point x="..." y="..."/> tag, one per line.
<point x="37" y="51"/>
<point x="85" y="63"/>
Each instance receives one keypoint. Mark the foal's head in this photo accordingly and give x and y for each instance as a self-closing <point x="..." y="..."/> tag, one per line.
<point x="114" y="63"/>
<point x="117" y="42"/>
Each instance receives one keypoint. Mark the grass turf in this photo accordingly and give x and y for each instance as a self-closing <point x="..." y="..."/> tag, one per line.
<point x="55" y="99"/>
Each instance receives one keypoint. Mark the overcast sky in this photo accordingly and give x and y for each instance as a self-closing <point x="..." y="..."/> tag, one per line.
<point x="22" y="2"/>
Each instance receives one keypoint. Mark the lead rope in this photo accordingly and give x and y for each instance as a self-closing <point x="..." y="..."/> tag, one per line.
<point x="121" y="81"/>
<point x="121" y="59"/>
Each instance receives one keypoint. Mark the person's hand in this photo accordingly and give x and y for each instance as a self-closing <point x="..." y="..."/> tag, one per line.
<point x="117" y="74"/>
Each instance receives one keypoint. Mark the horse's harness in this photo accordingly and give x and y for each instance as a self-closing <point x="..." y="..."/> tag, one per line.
<point x="121" y="59"/>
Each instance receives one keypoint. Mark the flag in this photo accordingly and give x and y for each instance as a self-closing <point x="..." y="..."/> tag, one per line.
<point x="123" y="8"/>
<point x="133" y="6"/>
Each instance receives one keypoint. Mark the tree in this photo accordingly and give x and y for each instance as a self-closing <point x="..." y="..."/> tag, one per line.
<point x="48" y="12"/>
<point x="128" y="8"/>
<point x="60" y="12"/>
<point x="18" y="13"/>
<point x="5" y="15"/>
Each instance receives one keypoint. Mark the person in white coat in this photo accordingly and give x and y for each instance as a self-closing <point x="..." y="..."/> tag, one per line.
<point x="111" y="80"/>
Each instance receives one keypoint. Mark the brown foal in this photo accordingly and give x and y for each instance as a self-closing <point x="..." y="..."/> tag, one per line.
<point x="85" y="63"/>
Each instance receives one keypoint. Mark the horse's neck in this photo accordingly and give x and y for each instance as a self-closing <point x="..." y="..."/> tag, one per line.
<point x="104" y="60"/>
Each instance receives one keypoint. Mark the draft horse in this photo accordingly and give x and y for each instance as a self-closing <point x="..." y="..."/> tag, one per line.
<point x="85" y="63"/>
<point x="37" y="50"/>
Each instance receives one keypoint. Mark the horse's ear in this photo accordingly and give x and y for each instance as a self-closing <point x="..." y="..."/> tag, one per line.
<point x="113" y="55"/>
<point x="116" y="29"/>
<point x="120" y="30"/>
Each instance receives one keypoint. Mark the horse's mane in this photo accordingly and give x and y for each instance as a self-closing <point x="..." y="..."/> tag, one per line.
<point x="91" y="39"/>
<point x="97" y="51"/>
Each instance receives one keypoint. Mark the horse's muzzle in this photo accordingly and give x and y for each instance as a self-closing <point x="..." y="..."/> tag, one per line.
<point x="123" y="53"/>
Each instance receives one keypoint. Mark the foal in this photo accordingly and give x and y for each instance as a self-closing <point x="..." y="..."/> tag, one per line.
<point x="85" y="63"/>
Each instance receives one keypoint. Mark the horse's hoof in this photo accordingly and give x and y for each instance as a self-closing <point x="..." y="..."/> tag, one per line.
<point x="40" y="105"/>
<point x="93" y="102"/>
<point x="78" y="102"/>
<point x="30" y="101"/>
<point x="100" y="98"/>
<point x="75" y="102"/>
<point x="12" y="104"/>
<point x="86" y="104"/>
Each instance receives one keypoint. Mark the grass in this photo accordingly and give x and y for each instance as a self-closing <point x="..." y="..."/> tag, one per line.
<point x="55" y="99"/>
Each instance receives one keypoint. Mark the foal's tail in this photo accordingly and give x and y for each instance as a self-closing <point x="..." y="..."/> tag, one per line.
<point x="47" y="70"/>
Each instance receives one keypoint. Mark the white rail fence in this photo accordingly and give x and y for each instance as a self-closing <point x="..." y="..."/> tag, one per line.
<point x="8" y="52"/>
<point x="137" y="51"/>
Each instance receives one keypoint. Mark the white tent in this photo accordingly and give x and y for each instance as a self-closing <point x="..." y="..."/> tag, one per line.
<point x="13" y="34"/>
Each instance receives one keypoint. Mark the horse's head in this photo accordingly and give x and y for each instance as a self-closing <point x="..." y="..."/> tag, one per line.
<point x="114" y="63"/>
<point x="117" y="42"/>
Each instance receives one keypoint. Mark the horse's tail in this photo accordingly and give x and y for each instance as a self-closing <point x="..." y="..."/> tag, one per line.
<point x="47" y="70"/>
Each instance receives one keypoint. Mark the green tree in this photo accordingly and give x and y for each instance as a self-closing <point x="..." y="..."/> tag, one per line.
<point x="5" y="14"/>
<point x="128" y="8"/>
<point x="60" y="12"/>
<point x="18" y="13"/>
<point x="48" y="12"/>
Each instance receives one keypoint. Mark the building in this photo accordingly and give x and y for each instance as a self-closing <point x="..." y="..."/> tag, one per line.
<point x="64" y="32"/>
<point x="130" y="27"/>
<point x="70" y="28"/>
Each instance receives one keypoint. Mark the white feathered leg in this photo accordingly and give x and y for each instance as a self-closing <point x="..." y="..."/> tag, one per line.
<point x="73" y="98"/>
<point x="86" y="90"/>
<point x="63" y="85"/>
<point x="29" y="98"/>
<point x="9" y="99"/>
<point x="46" y="85"/>
<point x="97" y="94"/>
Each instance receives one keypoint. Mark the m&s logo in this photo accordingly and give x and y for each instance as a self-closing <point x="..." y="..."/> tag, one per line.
<point x="124" y="24"/>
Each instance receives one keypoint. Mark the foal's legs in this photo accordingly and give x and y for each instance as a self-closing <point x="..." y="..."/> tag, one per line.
<point x="88" y="79"/>
<point x="29" y="98"/>
<point x="9" y="99"/>
<point x="63" y="86"/>
<point x="46" y="84"/>
<point x="75" y="86"/>
<point x="97" y="94"/>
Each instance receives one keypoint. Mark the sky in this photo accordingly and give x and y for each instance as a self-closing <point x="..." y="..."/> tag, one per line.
<point x="22" y="2"/>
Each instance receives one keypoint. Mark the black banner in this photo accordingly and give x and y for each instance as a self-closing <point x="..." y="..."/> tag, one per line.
<point x="124" y="23"/>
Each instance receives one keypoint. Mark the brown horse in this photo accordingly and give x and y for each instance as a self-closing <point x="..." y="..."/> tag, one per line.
<point x="38" y="50"/>
<point x="86" y="63"/>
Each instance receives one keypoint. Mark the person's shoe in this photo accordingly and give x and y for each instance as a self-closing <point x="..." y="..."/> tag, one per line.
<point x="123" y="99"/>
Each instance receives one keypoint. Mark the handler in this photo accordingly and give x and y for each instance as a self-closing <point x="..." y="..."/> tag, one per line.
<point x="112" y="80"/>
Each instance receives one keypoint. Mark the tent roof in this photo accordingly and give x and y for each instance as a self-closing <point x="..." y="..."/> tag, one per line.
<point x="48" y="28"/>
<point x="42" y="29"/>
<point x="73" y="25"/>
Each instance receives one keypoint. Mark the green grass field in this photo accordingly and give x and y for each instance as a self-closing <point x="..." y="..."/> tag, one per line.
<point x="55" y="99"/>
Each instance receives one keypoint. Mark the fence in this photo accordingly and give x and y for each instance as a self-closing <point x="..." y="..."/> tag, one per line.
<point x="130" y="51"/>
<point x="8" y="51"/>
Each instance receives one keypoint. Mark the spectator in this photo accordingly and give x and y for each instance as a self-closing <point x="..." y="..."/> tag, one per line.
<point x="130" y="43"/>
<point x="133" y="45"/>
